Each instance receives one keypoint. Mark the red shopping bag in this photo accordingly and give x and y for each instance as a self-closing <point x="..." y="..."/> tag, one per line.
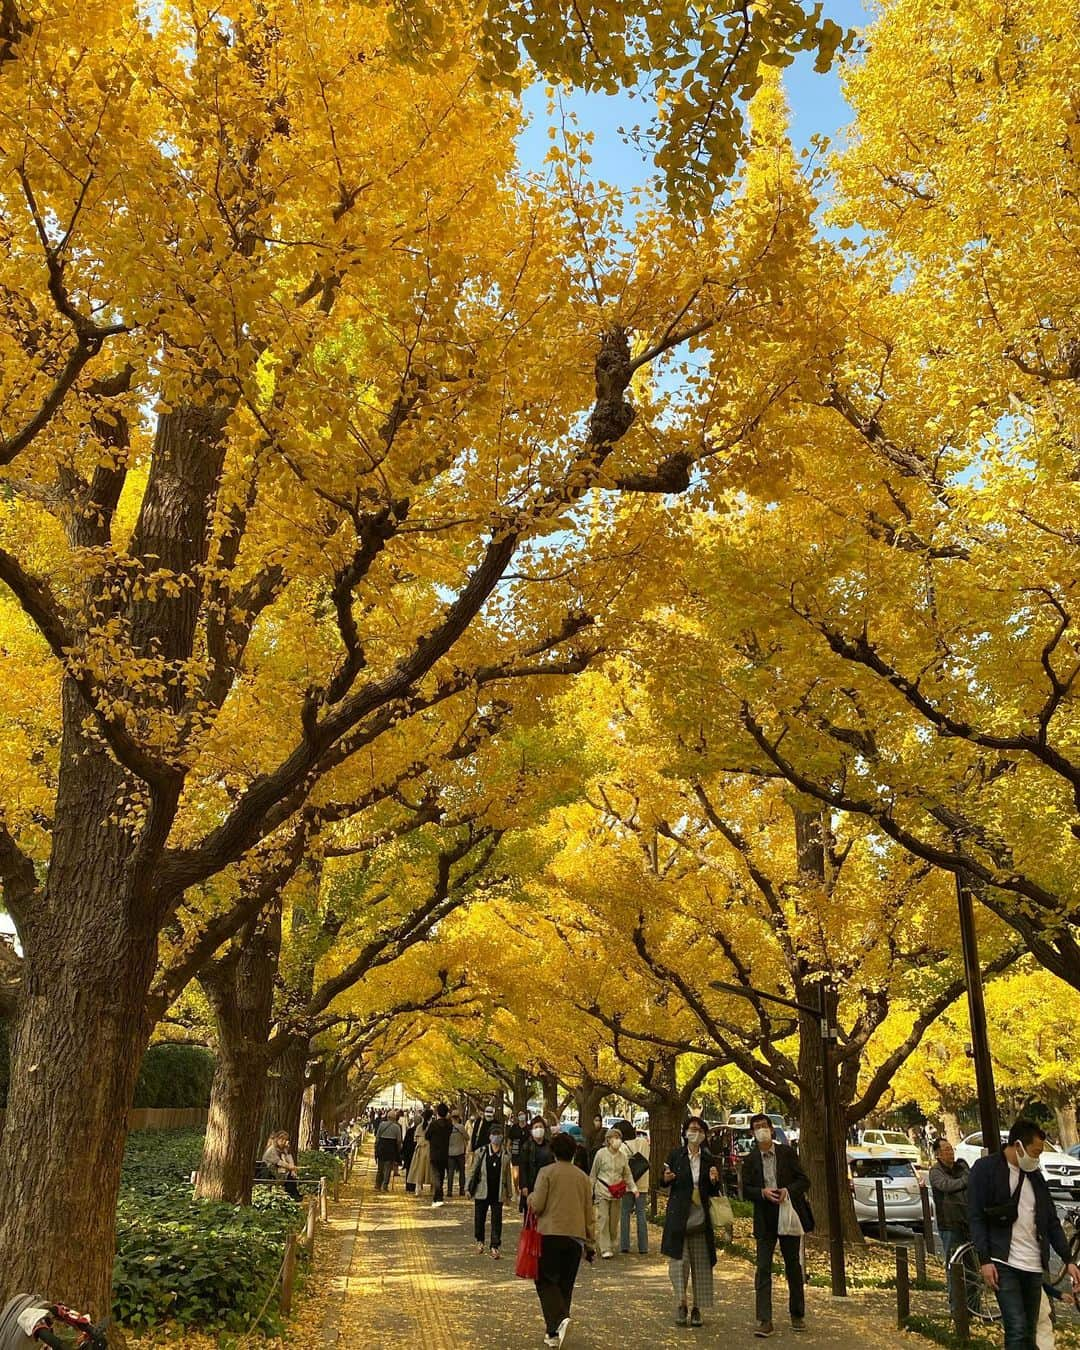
<point x="528" y="1257"/>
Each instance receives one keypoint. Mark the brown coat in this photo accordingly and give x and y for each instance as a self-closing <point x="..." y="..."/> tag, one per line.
<point x="562" y="1202"/>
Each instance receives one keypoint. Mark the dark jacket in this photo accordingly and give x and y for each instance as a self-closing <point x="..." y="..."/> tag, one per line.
<point x="950" y="1189"/>
<point x="438" y="1137"/>
<point x="515" y="1136"/>
<point x="480" y="1131"/>
<point x="989" y="1185"/>
<point x="532" y="1157"/>
<point x="679" y="1201"/>
<point x="789" y="1177"/>
<point x="388" y="1142"/>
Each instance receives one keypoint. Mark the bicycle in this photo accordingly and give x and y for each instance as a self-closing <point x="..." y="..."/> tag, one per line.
<point x="29" y="1319"/>
<point x="979" y="1297"/>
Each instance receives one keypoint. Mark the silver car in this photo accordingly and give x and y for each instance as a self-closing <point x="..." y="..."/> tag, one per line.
<point x="902" y="1191"/>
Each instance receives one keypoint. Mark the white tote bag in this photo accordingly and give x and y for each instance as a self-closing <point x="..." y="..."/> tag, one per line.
<point x="789" y="1224"/>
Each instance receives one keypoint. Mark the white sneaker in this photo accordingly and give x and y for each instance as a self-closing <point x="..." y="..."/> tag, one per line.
<point x="563" y="1327"/>
<point x="551" y="1340"/>
<point x="606" y="1256"/>
<point x="436" y="1204"/>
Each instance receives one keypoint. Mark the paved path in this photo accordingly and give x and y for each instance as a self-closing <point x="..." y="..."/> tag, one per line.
<point x="408" y="1273"/>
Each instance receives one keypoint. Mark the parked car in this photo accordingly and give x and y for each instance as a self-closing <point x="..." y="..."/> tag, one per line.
<point x="890" y="1143"/>
<point x="1062" y="1170"/>
<point x="902" y="1191"/>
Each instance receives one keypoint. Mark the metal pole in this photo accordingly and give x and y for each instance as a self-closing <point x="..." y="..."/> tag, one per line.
<point x="882" y="1222"/>
<point x="903" y="1288"/>
<point x="980" y="1043"/>
<point x="833" y="1180"/>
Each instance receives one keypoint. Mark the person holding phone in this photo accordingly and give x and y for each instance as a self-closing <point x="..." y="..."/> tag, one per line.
<point x="1014" y="1223"/>
<point x="692" y="1175"/>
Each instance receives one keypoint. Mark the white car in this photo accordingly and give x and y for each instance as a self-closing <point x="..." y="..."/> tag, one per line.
<point x="1062" y="1171"/>
<point x="902" y="1193"/>
<point x="891" y="1143"/>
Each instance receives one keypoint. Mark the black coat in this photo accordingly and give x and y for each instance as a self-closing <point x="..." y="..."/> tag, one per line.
<point x="438" y="1137"/>
<point x="409" y="1147"/>
<point x="990" y="1184"/>
<point x="532" y="1157"/>
<point x="789" y="1177"/>
<point x="679" y="1201"/>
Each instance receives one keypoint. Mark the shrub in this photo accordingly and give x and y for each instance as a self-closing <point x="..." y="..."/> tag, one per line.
<point x="194" y="1262"/>
<point x="175" y="1076"/>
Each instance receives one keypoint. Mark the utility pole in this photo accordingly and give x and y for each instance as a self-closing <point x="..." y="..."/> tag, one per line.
<point x="827" y="998"/>
<point x="980" y="1041"/>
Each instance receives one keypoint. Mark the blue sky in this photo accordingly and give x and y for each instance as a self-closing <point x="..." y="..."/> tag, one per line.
<point x="817" y="108"/>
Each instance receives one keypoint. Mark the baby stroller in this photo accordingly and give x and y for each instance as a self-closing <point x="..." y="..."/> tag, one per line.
<point x="30" y="1320"/>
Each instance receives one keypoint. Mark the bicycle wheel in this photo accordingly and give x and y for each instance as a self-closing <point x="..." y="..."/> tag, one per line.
<point x="982" y="1305"/>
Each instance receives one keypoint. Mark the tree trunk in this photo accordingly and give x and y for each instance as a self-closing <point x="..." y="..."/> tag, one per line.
<point x="240" y="989"/>
<point x="1066" y="1123"/>
<point x="521" y="1091"/>
<point x="665" y="1133"/>
<point x="311" y="1110"/>
<point x="590" y="1101"/>
<point x="78" y="1037"/>
<point x="285" y="1089"/>
<point x="950" y="1123"/>
<point x="812" y="1132"/>
<point x="550" y="1088"/>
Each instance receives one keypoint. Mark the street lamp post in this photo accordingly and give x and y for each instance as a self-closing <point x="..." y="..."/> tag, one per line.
<point x="825" y="1015"/>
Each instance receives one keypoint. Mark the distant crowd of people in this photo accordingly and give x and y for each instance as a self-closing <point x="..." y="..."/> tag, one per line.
<point x="588" y="1193"/>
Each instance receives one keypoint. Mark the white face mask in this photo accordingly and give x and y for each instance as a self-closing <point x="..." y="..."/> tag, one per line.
<point x="489" y="1115"/>
<point x="538" y="1133"/>
<point x="693" y="1136"/>
<point x="1024" y="1160"/>
<point x="613" y="1144"/>
<point x="762" y="1135"/>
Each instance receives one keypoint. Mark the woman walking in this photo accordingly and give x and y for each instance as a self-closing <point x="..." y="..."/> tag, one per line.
<point x="611" y="1179"/>
<point x="491" y="1185"/>
<point x="535" y="1154"/>
<point x="408" y="1148"/>
<point x="693" y="1175"/>
<point x="458" y="1144"/>
<point x="634" y="1205"/>
<point x="420" y="1174"/>
<point x="562" y="1203"/>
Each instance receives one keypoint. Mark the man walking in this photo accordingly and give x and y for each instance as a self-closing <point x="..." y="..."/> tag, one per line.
<point x="772" y="1174"/>
<point x="481" y="1128"/>
<point x="438" y="1138"/>
<point x="1013" y="1225"/>
<point x="949" y="1183"/>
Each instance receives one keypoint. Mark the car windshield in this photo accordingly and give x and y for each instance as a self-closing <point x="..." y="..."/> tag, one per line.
<point x="894" y="1137"/>
<point x="889" y="1168"/>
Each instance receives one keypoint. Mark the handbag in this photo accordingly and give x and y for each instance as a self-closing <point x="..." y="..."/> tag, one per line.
<point x="617" y="1189"/>
<point x="639" y="1165"/>
<point x="528" y="1253"/>
<point x="721" y="1214"/>
<point x="788" y="1224"/>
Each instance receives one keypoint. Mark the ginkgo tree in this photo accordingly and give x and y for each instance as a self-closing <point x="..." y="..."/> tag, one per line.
<point x="303" y="393"/>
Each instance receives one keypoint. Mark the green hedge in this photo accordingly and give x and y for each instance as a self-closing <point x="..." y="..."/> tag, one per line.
<point x="194" y="1262"/>
<point x="175" y="1076"/>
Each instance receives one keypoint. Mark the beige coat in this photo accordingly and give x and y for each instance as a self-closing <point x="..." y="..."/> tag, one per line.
<point x="562" y="1203"/>
<point x="609" y="1168"/>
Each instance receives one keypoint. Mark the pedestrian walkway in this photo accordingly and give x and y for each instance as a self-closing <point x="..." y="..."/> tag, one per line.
<point x="410" y="1274"/>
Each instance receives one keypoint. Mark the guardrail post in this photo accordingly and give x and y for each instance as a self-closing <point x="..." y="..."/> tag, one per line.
<point x="322" y="1199"/>
<point x="903" y="1288"/>
<point x="337" y="1188"/>
<point x="883" y="1227"/>
<point x="927" y="1218"/>
<point x="309" y="1237"/>
<point x="288" y="1275"/>
<point x="920" y="1261"/>
<point x="959" y="1295"/>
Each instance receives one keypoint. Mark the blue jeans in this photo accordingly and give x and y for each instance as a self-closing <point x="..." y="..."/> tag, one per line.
<point x="951" y="1238"/>
<point x="629" y="1206"/>
<point x="1019" y="1294"/>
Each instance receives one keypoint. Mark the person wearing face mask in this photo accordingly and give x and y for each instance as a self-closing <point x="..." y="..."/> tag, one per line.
<point x="693" y="1175"/>
<point x="611" y="1179"/>
<point x="1014" y="1223"/>
<point x="491" y="1185"/>
<point x="772" y="1174"/>
<point x="535" y="1154"/>
<point x="481" y="1128"/>
<point x="456" y="1158"/>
